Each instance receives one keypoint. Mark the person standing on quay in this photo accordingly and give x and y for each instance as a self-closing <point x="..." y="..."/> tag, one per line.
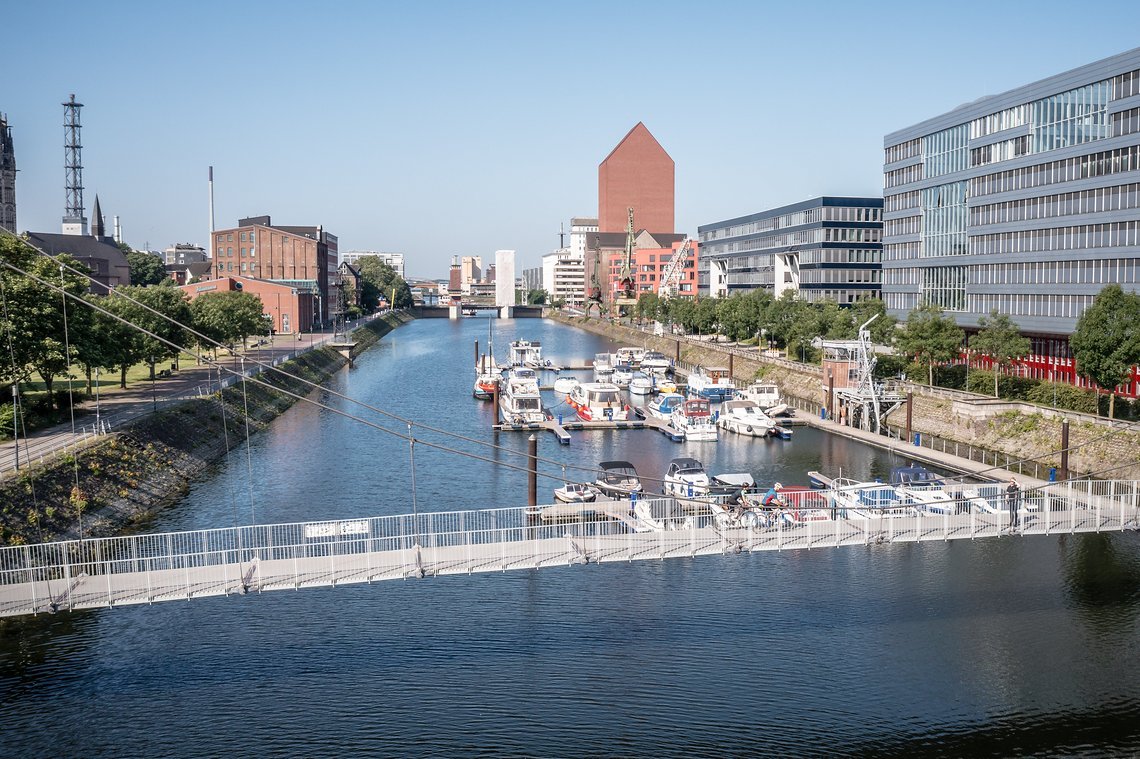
<point x="1012" y="501"/>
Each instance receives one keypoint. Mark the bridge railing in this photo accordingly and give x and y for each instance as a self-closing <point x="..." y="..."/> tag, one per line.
<point x="130" y="568"/>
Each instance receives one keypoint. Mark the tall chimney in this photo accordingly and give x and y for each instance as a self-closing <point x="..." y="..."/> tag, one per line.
<point x="210" y="247"/>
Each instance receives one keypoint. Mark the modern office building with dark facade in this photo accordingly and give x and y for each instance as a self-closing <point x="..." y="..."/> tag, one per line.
<point x="825" y="248"/>
<point x="1027" y="202"/>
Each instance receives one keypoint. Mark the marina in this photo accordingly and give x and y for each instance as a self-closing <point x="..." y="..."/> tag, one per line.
<point x="508" y="584"/>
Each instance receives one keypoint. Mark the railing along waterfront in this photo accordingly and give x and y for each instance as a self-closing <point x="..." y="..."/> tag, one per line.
<point x="138" y="569"/>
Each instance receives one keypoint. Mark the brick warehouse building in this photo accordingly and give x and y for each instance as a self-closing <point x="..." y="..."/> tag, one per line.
<point x="305" y="258"/>
<point x="637" y="174"/>
<point x="290" y="308"/>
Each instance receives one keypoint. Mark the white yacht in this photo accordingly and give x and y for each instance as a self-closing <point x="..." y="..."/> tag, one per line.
<point x="520" y="400"/>
<point x="766" y="395"/>
<point x="745" y="418"/>
<point x="525" y="353"/>
<point x="694" y="420"/>
<point x="598" y="401"/>
<point x="686" y="478"/>
<point x="654" y="362"/>
<point x="641" y="384"/>
<point x="622" y="375"/>
<point x="603" y="367"/>
<point x="631" y="356"/>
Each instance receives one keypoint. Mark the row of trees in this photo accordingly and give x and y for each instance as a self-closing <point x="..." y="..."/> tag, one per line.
<point x="47" y="333"/>
<point x="786" y="322"/>
<point x="1105" y="345"/>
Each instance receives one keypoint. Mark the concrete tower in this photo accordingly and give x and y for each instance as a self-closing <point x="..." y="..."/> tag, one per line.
<point x="637" y="174"/>
<point x="74" y="222"/>
<point x="7" y="177"/>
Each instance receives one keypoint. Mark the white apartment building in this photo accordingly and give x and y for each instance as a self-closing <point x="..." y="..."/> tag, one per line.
<point x="395" y="260"/>
<point x="564" y="276"/>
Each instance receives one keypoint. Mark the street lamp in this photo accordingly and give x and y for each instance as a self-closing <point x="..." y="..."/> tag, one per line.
<point x="97" y="427"/>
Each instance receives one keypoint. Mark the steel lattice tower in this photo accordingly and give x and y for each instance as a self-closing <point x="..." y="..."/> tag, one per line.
<point x="73" y="163"/>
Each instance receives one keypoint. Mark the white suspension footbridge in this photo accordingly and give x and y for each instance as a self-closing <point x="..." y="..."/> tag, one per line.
<point x="146" y="569"/>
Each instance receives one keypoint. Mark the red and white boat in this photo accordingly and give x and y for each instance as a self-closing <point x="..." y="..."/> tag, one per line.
<point x="598" y="401"/>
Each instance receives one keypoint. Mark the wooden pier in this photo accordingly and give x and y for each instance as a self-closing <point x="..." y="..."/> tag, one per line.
<point x="561" y="430"/>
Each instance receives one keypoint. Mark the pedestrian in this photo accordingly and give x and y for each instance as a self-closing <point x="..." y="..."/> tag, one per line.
<point x="1012" y="502"/>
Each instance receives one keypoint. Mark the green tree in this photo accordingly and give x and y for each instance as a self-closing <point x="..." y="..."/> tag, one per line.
<point x="162" y="311"/>
<point x="835" y="323"/>
<point x="380" y="279"/>
<point x="34" y="313"/>
<point x="883" y="328"/>
<point x="536" y="297"/>
<point x="228" y="317"/>
<point x="930" y="337"/>
<point x="1106" y="343"/>
<point x="1001" y="340"/>
<point x="648" y="304"/>
<point x="146" y="268"/>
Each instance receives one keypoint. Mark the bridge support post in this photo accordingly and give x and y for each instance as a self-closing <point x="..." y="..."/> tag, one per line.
<point x="532" y="470"/>
<point x="1064" y="450"/>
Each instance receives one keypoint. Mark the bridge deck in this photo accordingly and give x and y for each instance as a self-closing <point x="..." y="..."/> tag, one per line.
<point x="107" y="572"/>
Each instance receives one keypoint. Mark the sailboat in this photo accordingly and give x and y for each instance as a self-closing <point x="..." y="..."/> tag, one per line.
<point x="487" y="372"/>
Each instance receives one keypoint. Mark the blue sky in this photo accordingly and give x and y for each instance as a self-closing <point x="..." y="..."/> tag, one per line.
<point x="442" y="128"/>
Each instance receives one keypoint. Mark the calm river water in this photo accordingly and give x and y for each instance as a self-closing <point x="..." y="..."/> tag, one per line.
<point x="1010" y="646"/>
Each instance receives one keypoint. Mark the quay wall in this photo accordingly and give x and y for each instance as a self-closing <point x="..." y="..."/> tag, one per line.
<point x="989" y="426"/>
<point x="127" y="476"/>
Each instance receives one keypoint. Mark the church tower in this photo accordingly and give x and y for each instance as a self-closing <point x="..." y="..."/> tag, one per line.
<point x="7" y="177"/>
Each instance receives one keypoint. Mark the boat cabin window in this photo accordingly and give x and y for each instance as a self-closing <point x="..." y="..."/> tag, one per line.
<point x="603" y="396"/>
<point x="528" y="404"/>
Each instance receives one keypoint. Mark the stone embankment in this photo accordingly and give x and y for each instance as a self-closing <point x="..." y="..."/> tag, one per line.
<point x="121" y="480"/>
<point x="989" y="427"/>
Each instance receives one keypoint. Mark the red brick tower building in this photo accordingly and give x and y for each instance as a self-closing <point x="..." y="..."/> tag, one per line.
<point x="637" y="173"/>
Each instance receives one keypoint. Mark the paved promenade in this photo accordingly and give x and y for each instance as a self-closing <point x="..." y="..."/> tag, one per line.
<point x="114" y="409"/>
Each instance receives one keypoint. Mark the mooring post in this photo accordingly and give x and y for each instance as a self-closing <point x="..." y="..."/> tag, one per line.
<point x="532" y="470"/>
<point x="476" y="353"/>
<point x="495" y="402"/>
<point x="909" y="411"/>
<point x="830" y="395"/>
<point x="731" y="374"/>
<point x="677" y="353"/>
<point x="1064" y="449"/>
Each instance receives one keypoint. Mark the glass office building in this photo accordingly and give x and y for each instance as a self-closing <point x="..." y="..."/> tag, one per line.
<point x="825" y="248"/>
<point x="1027" y="202"/>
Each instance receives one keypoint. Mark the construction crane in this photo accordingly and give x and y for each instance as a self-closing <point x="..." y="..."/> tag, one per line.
<point x="670" y="282"/>
<point x="625" y="277"/>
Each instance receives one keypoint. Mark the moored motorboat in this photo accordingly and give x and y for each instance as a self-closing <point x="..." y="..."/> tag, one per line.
<point x="640" y="384"/>
<point x="525" y="353"/>
<point x="603" y="367"/>
<point x="661" y="407"/>
<point x="712" y="383"/>
<point x="686" y="478"/>
<point x="622" y="375"/>
<point x="766" y="395"/>
<point x="575" y="492"/>
<point x="618" y="479"/>
<point x="745" y="418"/>
<point x="631" y="356"/>
<point x="694" y="420"/>
<point x="598" y="401"/>
<point x="654" y="362"/>
<point x="485" y="385"/>
<point x="520" y="399"/>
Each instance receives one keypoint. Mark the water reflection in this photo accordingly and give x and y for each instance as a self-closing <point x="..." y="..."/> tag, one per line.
<point x="951" y="649"/>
